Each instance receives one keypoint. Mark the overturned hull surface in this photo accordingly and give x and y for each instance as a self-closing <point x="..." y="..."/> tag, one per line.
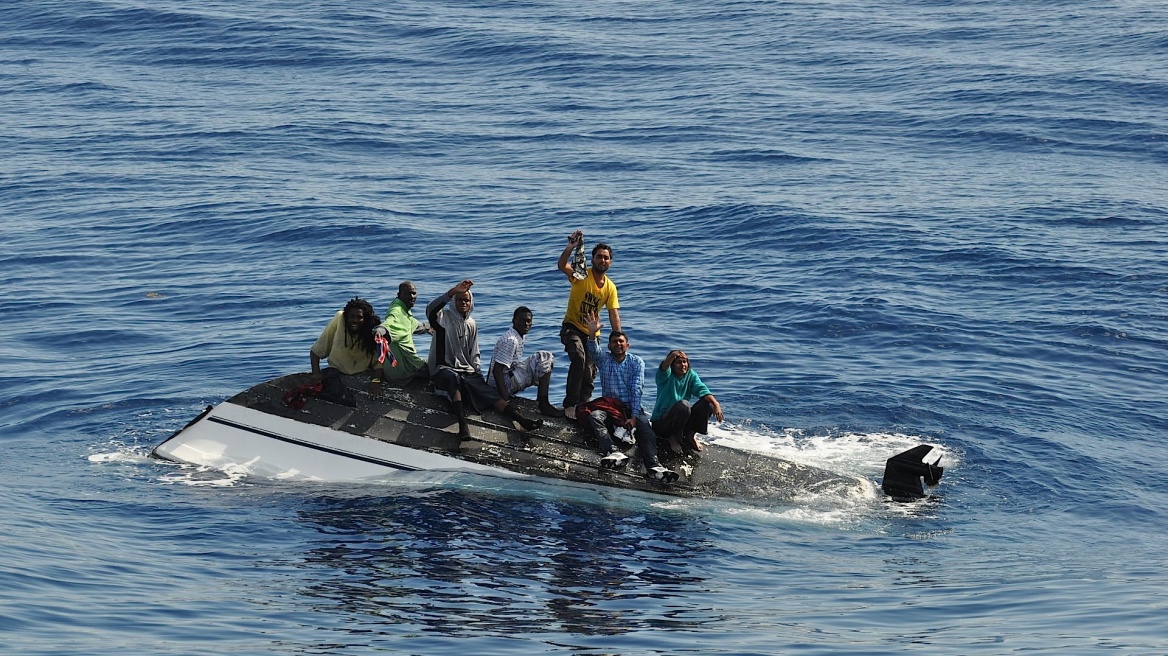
<point x="411" y="429"/>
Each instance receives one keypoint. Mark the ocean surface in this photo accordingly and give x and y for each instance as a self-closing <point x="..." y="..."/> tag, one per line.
<point x="870" y="224"/>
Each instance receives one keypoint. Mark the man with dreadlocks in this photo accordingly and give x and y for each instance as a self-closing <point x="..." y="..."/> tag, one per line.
<point x="348" y="344"/>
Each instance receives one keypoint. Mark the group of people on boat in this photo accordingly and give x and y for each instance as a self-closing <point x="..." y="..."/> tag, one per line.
<point x="356" y="340"/>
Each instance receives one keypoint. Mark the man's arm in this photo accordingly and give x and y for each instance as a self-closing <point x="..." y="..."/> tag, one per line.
<point x="591" y="345"/>
<point x="375" y="381"/>
<point x="498" y="372"/>
<point x="320" y="348"/>
<point x="614" y="318"/>
<point x="564" y="264"/>
<point x="436" y="304"/>
<point x="594" y="328"/>
<point x="637" y="384"/>
<point x="398" y="322"/>
<point x="438" y="344"/>
<point x="502" y="361"/>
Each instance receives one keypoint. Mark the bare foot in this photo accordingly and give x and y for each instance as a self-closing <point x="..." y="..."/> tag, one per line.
<point x="675" y="446"/>
<point x="694" y="443"/>
<point x="570" y="413"/>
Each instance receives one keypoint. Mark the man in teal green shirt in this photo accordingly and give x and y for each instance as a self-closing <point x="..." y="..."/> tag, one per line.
<point x="673" y="416"/>
<point x="401" y="326"/>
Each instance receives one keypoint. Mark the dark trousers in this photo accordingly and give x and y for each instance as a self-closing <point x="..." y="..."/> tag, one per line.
<point x="476" y="393"/>
<point x="682" y="419"/>
<point x="581" y="368"/>
<point x="646" y="438"/>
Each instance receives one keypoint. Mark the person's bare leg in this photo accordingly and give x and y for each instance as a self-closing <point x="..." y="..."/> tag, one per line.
<point x="545" y="406"/>
<point x="507" y="409"/>
<point x="463" y="426"/>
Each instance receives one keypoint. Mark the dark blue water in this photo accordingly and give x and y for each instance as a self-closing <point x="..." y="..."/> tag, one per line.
<point x="870" y="224"/>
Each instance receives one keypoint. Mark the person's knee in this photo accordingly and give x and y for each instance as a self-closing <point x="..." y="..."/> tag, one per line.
<point x="446" y="381"/>
<point x="645" y="428"/>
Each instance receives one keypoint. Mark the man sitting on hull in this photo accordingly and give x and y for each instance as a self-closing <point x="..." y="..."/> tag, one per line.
<point x="348" y="343"/>
<point x="401" y="326"/>
<point x="510" y="373"/>
<point x="455" y="361"/>
<point x="622" y="383"/>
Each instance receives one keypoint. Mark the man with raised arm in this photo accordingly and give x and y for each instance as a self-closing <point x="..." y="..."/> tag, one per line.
<point x="622" y="384"/>
<point x="511" y="373"/>
<point x="590" y="293"/>
<point x="454" y="360"/>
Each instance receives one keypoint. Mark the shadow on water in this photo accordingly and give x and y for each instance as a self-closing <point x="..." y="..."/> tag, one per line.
<point x="461" y="564"/>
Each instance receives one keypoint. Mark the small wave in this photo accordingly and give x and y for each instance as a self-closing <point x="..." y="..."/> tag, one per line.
<point x="128" y="455"/>
<point x="199" y="476"/>
<point x="135" y="457"/>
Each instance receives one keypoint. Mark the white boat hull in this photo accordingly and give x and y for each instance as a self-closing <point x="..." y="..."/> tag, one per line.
<point x="238" y="438"/>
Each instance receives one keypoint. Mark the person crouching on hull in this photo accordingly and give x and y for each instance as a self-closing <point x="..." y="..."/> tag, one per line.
<point x="674" y="418"/>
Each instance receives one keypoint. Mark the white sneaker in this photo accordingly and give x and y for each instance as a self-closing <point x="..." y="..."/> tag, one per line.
<point x="614" y="460"/>
<point x="662" y="474"/>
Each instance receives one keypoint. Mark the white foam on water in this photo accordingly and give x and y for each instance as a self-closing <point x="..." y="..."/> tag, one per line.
<point x="202" y="476"/>
<point x="856" y="455"/>
<point x="129" y="455"/>
<point x="852" y="454"/>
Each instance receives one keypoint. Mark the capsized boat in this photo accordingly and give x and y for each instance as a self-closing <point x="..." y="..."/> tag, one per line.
<point x="412" y="429"/>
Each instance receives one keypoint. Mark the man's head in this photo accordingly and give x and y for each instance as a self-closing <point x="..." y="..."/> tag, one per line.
<point x="358" y="313"/>
<point x="680" y="364"/>
<point x="601" y="257"/>
<point x="360" y="321"/>
<point x="407" y="292"/>
<point x="463" y="302"/>
<point x="618" y="344"/>
<point x="521" y="320"/>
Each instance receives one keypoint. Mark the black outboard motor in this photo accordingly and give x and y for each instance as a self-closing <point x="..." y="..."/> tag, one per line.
<point x="906" y="474"/>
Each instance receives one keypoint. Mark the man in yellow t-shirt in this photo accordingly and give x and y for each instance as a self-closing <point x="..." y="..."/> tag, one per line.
<point x="588" y="295"/>
<point x="347" y="343"/>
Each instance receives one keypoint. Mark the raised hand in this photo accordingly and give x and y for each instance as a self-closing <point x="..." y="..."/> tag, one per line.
<point x="592" y="319"/>
<point x="461" y="287"/>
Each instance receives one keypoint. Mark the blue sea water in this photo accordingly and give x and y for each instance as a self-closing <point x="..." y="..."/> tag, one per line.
<point x="870" y="224"/>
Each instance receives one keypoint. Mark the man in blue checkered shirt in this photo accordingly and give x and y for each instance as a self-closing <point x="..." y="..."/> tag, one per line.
<point x="622" y="376"/>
